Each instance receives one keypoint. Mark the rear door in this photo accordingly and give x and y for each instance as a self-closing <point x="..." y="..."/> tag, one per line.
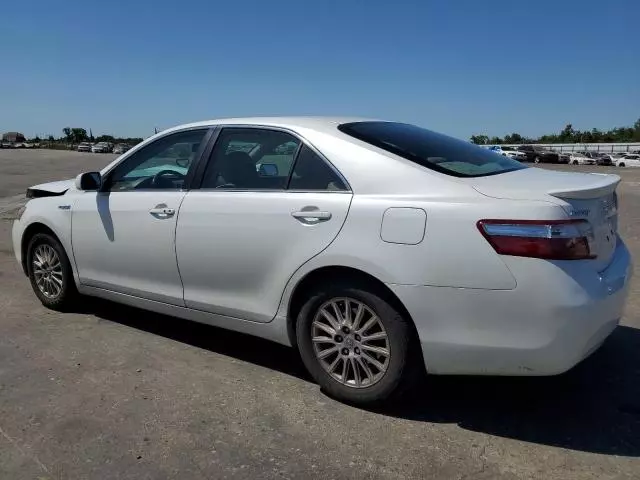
<point x="267" y="203"/>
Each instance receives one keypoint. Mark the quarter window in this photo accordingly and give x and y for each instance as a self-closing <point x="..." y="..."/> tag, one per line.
<point x="163" y="164"/>
<point x="312" y="173"/>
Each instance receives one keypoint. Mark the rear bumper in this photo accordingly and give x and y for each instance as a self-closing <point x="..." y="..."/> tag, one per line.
<point x="546" y="325"/>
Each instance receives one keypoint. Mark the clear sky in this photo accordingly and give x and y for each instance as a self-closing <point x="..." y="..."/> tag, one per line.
<point x="455" y="66"/>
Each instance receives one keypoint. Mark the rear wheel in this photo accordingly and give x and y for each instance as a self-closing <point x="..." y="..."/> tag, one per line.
<point x="576" y="162"/>
<point x="621" y="164"/>
<point x="50" y="272"/>
<point x="355" y="344"/>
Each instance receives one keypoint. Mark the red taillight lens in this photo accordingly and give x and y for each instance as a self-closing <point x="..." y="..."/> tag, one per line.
<point x="552" y="240"/>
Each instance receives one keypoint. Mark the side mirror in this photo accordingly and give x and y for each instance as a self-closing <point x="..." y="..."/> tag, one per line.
<point x="183" y="162"/>
<point x="89" y="181"/>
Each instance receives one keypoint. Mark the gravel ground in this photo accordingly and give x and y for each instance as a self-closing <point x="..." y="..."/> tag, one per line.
<point x="114" y="392"/>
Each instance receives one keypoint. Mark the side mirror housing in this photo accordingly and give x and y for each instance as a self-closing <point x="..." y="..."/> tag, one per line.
<point x="89" y="181"/>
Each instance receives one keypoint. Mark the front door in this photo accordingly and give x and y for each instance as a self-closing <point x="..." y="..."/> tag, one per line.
<point x="123" y="237"/>
<point x="253" y="222"/>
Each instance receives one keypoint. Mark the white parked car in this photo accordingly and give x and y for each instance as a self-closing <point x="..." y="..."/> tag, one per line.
<point x="375" y="248"/>
<point x="579" y="159"/>
<point x="512" y="152"/>
<point x="628" y="160"/>
<point x="84" y="147"/>
<point x="101" y="147"/>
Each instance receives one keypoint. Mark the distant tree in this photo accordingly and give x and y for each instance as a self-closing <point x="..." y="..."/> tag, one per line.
<point x="567" y="135"/>
<point x="595" y="135"/>
<point x="636" y="131"/>
<point x="51" y="139"/>
<point x="78" y="135"/>
<point x="549" y="139"/>
<point x="479" y="139"/>
<point x="496" y="140"/>
<point x="106" y="138"/>
<point x="513" y="138"/>
<point x="67" y="134"/>
<point x="37" y="139"/>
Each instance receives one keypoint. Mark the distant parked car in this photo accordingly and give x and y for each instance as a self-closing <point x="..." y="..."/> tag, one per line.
<point x="565" y="158"/>
<point x="101" y="147"/>
<point x="629" y="160"/>
<point x="84" y="147"/>
<point x="6" y="144"/>
<point x="510" y="152"/>
<point x="538" y="154"/>
<point x="606" y="159"/>
<point x="121" y="148"/>
<point x="579" y="159"/>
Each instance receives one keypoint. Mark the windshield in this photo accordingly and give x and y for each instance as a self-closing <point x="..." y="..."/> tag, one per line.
<point x="431" y="150"/>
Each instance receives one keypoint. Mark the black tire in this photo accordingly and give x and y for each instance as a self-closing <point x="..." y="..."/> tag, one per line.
<point x="404" y="364"/>
<point x="621" y="164"/>
<point x="576" y="162"/>
<point x="68" y="292"/>
<point x="537" y="160"/>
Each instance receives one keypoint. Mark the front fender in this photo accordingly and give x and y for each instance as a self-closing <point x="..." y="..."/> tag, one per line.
<point x="52" y="212"/>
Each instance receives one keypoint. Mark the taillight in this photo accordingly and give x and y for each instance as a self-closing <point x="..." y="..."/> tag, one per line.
<point x="549" y="239"/>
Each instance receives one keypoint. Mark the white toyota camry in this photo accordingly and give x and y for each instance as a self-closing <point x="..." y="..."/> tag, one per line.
<point x="378" y="249"/>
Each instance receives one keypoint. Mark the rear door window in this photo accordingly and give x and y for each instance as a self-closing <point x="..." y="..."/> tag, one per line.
<point x="431" y="150"/>
<point x="251" y="159"/>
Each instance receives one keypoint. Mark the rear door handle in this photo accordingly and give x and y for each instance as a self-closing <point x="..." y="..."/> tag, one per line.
<point x="162" y="212"/>
<point x="311" y="216"/>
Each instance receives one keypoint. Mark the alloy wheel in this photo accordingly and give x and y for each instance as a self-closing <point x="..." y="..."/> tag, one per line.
<point x="47" y="271"/>
<point x="350" y="342"/>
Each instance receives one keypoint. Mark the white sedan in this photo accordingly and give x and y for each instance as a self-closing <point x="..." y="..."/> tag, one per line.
<point x="378" y="249"/>
<point x="628" y="160"/>
<point x="579" y="159"/>
<point x="510" y="152"/>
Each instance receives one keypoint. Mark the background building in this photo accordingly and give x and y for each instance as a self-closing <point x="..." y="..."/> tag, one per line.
<point x="13" y="137"/>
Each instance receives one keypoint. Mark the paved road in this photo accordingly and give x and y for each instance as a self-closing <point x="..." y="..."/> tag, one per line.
<point x="114" y="392"/>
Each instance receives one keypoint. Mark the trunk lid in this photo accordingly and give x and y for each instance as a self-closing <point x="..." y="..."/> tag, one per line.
<point x="590" y="196"/>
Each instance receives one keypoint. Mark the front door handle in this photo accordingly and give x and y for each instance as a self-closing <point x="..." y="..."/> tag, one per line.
<point x="162" y="211"/>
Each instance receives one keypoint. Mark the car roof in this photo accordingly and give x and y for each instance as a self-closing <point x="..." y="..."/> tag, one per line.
<point x="322" y="124"/>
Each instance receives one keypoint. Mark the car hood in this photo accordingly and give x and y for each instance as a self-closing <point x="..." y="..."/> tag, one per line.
<point x="50" y="189"/>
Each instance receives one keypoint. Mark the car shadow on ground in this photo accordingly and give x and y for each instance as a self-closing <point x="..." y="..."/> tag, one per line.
<point x="595" y="407"/>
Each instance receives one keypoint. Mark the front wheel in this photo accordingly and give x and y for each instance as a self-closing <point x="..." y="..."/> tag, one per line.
<point x="50" y="272"/>
<point x="621" y="164"/>
<point x="355" y="344"/>
<point x="575" y="162"/>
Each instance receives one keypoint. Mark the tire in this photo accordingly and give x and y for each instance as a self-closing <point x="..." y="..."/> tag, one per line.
<point x="537" y="160"/>
<point x="575" y="162"/>
<point x="400" y="367"/>
<point x="59" y="292"/>
<point x="621" y="164"/>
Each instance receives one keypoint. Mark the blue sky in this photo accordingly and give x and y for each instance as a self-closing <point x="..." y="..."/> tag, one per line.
<point x="456" y="66"/>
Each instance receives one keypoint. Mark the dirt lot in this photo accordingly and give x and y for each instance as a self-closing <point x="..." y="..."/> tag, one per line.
<point x="113" y="392"/>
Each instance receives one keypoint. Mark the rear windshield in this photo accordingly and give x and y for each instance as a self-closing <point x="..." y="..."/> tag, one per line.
<point x="431" y="150"/>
